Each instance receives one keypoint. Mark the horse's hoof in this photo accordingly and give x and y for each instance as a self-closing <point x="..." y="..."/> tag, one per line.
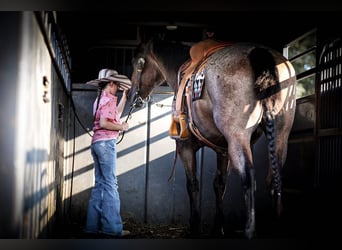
<point x="249" y="231"/>
<point x="217" y="232"/>
<point x="249" y="234"/>
<point x="193" y="235"/>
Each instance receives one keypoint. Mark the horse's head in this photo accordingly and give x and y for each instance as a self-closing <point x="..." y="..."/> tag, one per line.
<point x="146" y="74"/>
<point x="155" y="62"/>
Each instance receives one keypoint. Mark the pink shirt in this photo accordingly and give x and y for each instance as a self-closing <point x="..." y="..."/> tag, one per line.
<point x="107" y="109"/>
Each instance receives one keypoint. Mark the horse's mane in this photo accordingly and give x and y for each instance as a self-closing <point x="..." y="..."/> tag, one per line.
<point x="176" y="52"/>
<point x="175" y="49"/>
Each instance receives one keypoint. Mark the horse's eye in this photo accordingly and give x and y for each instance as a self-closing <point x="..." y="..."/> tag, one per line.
<point x="140" y="64"/>
<point x="141" y="60"/>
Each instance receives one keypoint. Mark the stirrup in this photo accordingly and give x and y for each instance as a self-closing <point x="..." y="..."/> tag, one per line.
<point x="173" y="130"/>
<point x="179" y="130"/>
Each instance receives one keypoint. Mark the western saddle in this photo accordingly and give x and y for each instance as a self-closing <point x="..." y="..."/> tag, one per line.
<point x="199" y="54"/>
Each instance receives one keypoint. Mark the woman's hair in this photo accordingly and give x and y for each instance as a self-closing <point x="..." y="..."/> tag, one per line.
<point x="100" y="88"/>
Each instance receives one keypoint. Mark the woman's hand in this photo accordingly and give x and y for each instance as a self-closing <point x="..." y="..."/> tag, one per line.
<point x="125" y="126"/>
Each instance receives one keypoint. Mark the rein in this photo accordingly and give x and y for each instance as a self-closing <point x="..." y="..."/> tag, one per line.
<point x="133" y="106"/>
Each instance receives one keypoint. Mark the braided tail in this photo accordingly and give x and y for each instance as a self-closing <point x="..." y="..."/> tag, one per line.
<point x="266" y="87"/>
<point x="270" y="134"/>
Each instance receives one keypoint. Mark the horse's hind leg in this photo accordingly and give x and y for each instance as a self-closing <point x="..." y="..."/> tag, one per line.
<point x="240" y="155"/>
<point x="220" y="188"/>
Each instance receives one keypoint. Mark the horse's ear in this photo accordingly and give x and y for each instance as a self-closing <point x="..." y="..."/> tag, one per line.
<point x="150" y="42"/>
<point x="157" y="37"/>
<point x="160" y="36"/>
<point x="144" y="39"/>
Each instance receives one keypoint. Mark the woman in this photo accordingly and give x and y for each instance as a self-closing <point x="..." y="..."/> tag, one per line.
<point x="103" y="215"/>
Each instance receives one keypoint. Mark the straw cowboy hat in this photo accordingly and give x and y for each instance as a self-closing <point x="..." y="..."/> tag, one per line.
<point x="107" y="75"/>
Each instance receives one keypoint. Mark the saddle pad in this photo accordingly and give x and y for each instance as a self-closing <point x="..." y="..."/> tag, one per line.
<point x="198" y="84"/>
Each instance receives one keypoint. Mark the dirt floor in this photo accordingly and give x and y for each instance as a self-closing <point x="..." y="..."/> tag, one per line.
<point x="138" y="230"/>
<point x="141" y="230"/>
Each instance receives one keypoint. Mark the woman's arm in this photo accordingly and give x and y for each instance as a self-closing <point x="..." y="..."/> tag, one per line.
<point x="122" y="103"/>
<point x="106" y="124"/>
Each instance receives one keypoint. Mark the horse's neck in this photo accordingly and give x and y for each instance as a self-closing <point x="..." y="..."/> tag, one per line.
<point x="172" y="79"/>
<point x="173" y="65"/>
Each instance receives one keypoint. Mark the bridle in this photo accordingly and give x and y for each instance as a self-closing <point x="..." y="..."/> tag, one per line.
<point x="138" y="101"/>
<point x="139" y="68"/>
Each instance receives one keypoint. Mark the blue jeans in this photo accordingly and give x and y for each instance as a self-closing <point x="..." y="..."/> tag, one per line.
<point x="103" y="213"/>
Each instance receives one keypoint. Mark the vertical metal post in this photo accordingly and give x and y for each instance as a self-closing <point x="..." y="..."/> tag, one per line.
<point x="147" y="157"/>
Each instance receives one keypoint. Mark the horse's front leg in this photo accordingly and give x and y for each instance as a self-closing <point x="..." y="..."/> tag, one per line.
<point x="187" y="153"/>
<point x="220" y="188"/>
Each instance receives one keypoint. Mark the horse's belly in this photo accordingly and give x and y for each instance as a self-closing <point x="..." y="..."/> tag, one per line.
<point x="203" y="120"/>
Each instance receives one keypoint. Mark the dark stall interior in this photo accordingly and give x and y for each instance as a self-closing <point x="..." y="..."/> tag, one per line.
<point x="106" y="33"/>
<point x="87" y="30"/>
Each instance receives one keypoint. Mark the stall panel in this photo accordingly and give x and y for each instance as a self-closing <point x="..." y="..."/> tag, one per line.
<point x="329" y="119"/>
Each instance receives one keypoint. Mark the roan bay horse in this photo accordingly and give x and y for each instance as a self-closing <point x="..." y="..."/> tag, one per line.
<point x="248" y="90"/>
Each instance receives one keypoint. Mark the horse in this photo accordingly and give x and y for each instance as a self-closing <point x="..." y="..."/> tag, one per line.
<point x="248" y="89"/>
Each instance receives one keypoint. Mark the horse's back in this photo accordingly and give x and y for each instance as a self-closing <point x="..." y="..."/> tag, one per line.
<point x="254" y="71"/>
<point x="246" y="51"/>
<point x="249" y="79"/>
